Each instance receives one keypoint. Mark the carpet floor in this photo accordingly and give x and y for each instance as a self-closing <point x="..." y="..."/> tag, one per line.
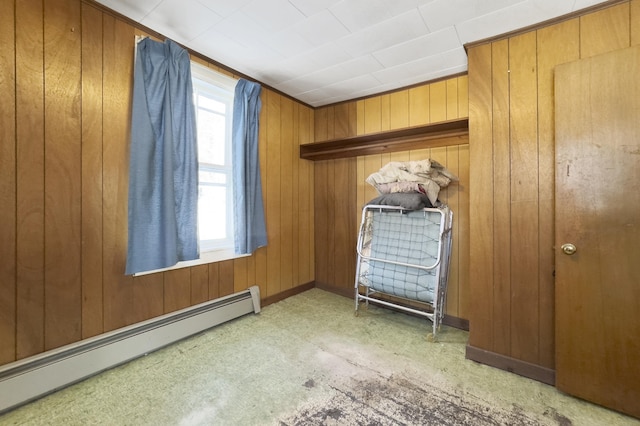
<point x="308" y="360"/>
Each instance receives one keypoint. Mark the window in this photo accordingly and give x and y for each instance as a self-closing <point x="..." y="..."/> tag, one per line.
<point x="213" y="98"/>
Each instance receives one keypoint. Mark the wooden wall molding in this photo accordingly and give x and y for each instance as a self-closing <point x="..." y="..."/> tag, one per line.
<point x="512" y="365"/>
<point x="445" y="133"/>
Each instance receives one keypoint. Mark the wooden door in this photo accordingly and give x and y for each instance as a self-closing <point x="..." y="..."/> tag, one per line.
<point x="597" y="209"/>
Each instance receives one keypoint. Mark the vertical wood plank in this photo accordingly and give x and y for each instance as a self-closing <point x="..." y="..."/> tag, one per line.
<point x="452" y="98"/>
<point x="63" y="286"/>
<point x="481" y="195"/>
<point x="438" y="101"/>
<point x="261" y="254"/>
<point x="556" y="45"/>
<point x="225" y="277"/>
<point x="594" y="40"/>
<point x="305" y="235"/>
<point x="294" y="149"/>
<point x="634" y="20"/>
<point x="524" y="198"/>
<point x="92" y="321"/>
<point x="274" y="205"/>
<point x="286" y="194"/>
<point x="341" y="229"/>
<point x="372" y="115"/>
<point x="341" y="117"/>
<point x="399" y="109"/>
<point x="8" y="184"/>
<point x="461" y="221"/>
<point x="452" y="160"/>
<point x="240" y="274"/>
<point x="385" y="112"/>
<point x="29" y="179"/>
<point x="419" y="105"/>
<point x="118" y="44"/>
<point x="199" y="284"/>
<point x="177" y="289"/>
<point x="501" y="198"/>
<point x="463" y="96"/>
<point x="214" y="280"/>
<point x="359" y="118"/>
<point x="148" y="307"/>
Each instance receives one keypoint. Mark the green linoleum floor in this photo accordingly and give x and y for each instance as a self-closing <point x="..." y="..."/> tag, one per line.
<point x="262" y="369"/>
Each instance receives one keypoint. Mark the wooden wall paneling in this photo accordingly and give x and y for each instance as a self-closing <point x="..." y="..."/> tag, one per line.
<point x="321" y="209"/>
<point x="286" y="193"/>
<point x="148" y="294"/>
<point x="524" y="198"/>
<point x="63" y="164"/>
<point x="556" y="44"/>
<point x="199" y="278"/>
<point x="419" y="105"/>
<point x="594" y="40"/>
<point x="118" y="45"/>
<point x="634" y="21"/>
<point x="305" y="199"/>
<point x="501" y="198"/>
<point x="372" y="163"/>
<point x="274" y="201"/>
<point x="341" y="116"/>
<point x="214" y="280"/>
<point x="321" y="129"/>
<point x="463" y="96"/>
<point x="92" y="321"/>
<point x="452" y="98"/>
<point x="294" y="150"/>
<point x="461" y="222"/>
<point x="372" y="115"/>
<point x="177" y="289"/>
<point x="438" y="101"/>
<point x="399" y="109"/>
<point x="240" y="274"/>
<point x="360" y="117"/>
<point x="453" y="201"/>
<point x="481" y="197"/>
<point x="260" y="255"/>
<point x="225" y="278"/>
<point x="29" y="190"/>
<point x="385" y="112"/>
<point x="8" y="184"/>
<point x="342" y="229"/>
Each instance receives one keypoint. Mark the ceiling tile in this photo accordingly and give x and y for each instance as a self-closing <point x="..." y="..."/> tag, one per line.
<point x="224" y="7"/>
<point x="311" y="7"/>
<point x="273" y="15"/>
<point x="398" y="29"/>
<point x="444" y="13"/>
<point x="321" y="28"/>
<point x="423" y="66"/>
<point x="171" y="14"/>
<point x="427" y="45"/>
<point x="134" y="10"/>
<point x="359" y="14"/>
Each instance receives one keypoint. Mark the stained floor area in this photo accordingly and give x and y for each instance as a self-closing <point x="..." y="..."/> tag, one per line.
<point x="308" y="360"/>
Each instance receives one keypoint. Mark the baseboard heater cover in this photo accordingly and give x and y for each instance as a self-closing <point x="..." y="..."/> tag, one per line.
<point x="31" y="378"/>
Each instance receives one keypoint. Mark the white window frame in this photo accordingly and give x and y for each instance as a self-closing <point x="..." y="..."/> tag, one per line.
<point x="205" y="78"/>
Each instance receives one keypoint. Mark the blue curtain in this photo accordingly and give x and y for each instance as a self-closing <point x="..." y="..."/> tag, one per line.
<point x="250" y="228"/>
<point x="163" y="168"/>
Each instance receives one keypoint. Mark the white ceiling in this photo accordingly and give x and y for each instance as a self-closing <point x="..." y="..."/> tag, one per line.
<point x="325" y="51"/>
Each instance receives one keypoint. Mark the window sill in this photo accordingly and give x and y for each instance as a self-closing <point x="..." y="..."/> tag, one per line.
<point x="205" y="257"/>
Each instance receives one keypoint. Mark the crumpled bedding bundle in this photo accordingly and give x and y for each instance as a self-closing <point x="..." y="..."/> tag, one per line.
<point x="423" y="176"/>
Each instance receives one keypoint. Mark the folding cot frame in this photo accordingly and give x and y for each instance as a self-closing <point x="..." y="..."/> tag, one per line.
<point x="434" y="310"/>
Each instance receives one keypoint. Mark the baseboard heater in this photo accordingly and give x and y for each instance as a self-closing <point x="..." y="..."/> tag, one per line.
<point x="31" y="378"/>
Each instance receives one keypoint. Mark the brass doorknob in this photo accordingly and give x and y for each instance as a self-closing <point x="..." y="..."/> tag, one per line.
<point x="568" y="248"/>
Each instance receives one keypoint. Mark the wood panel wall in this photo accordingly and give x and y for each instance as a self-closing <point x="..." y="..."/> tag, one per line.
<point x="341" y="190"/>
<point x="66" y="76"/>
<point x="511" y="115"/>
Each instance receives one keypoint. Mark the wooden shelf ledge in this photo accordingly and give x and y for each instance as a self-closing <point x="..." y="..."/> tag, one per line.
<point x="445" y="133"/>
